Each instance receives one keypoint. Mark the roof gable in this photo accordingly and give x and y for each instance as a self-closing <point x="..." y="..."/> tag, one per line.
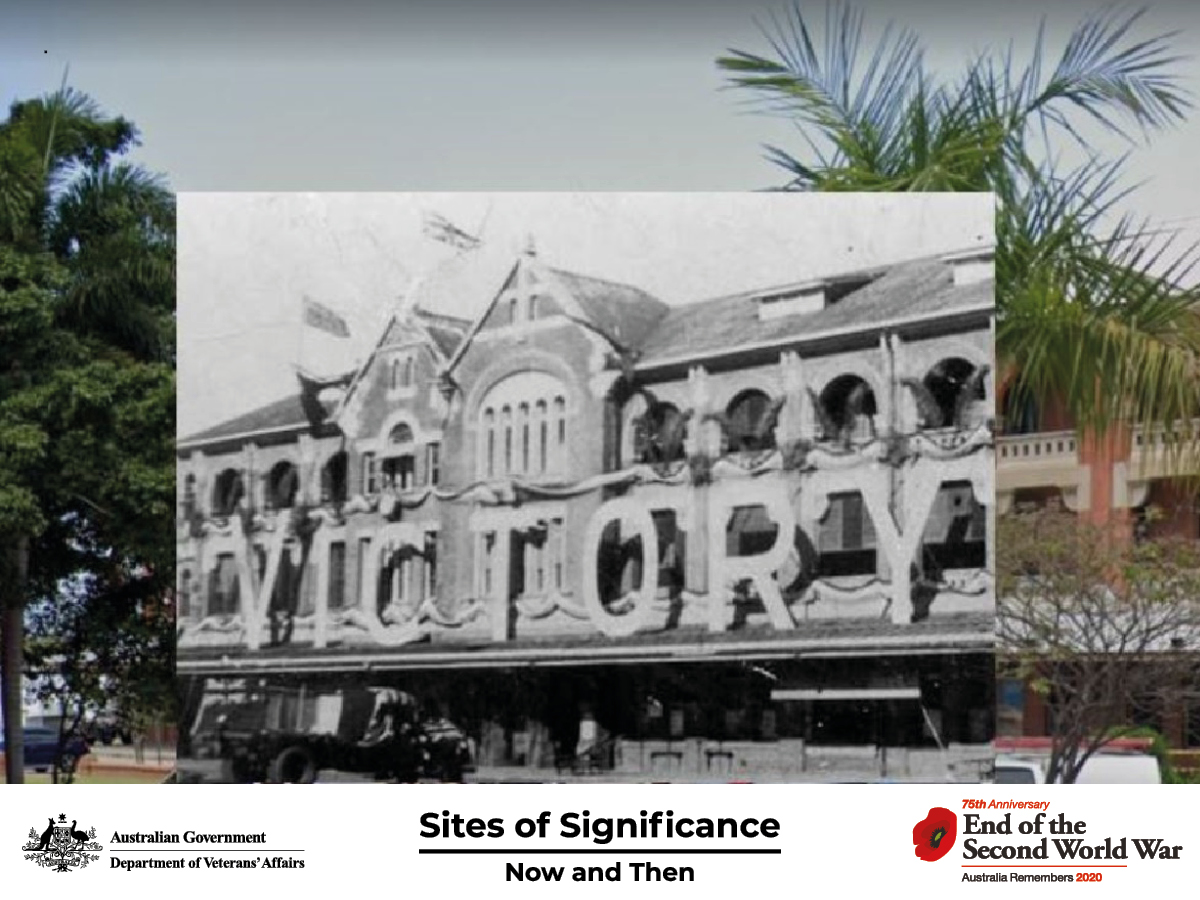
<point x="620" y="313"/>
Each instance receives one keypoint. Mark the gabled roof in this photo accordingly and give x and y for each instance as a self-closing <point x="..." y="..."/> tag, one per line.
<point x="446" y="331"/>
<point x="623" y="313"/>
<point x="904" y="292"/>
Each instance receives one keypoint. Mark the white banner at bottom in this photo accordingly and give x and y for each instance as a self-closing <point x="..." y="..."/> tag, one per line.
<point x="506" y="840"/>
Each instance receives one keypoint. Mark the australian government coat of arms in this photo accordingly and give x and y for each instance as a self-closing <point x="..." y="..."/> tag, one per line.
<point x="61" y="847"/>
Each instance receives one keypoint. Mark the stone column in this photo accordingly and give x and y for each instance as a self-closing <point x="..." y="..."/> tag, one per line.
<point x="696" y="562"/>
<point x="887" y="403"/>
<point x="792" y="424"/>
<point x="320" y="547"/>
<point x="500" y="603"/>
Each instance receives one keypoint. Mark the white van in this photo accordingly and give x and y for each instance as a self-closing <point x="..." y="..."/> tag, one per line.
<point x="1101" y="768"/>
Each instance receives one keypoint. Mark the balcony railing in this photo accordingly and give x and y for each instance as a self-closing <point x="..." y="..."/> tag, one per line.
<point x="1037" y="448"/>
<point x="1161" y="437"/>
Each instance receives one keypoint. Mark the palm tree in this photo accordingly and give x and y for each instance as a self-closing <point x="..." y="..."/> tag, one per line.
<point x="1089" y="305"/>
<point x="1089" y="312"/>
<point x="88" y="247"/>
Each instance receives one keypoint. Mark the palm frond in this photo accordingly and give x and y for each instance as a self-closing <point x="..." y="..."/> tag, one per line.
<point x="1105" y="76"/>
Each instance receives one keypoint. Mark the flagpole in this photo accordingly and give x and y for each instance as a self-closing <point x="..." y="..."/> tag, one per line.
<point x="300" y="337"/>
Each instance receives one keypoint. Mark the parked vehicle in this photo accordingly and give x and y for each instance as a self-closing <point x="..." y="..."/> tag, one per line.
<point x="289" y="734"/>
<point x="1101" y="768"/>
<point x="41" y="749"/>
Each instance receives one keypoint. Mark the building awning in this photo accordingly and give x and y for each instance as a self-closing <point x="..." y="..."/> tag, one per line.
<point x="858" y="640"/>
<point x="879" y="693"/>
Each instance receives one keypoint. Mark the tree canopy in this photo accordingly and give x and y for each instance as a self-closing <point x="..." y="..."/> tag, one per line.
<point x="1097" y="629"/>
<point x="87" y="381"/>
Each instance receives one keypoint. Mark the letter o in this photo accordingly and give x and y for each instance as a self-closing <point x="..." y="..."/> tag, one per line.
<point x="637" y="618"/>
<point x="526" y="827"/>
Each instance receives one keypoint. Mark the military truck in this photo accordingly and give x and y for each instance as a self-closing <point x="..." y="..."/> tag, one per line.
<point x="290" y="733"/>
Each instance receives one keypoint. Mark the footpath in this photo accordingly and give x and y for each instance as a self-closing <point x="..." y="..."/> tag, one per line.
<point x="120" y="759"/>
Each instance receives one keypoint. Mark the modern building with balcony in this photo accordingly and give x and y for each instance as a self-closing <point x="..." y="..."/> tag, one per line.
<point x="1127" y="480"/>
<point x="587" y="525"/>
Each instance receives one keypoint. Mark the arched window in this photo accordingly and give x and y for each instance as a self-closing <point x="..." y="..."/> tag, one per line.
<point x="333" y="478"/>
<point x="513" y="311"/>
<point x="489" y="436"/>
<point x="543" y="428"/>
<point x="394" y="374"/>
<point x="955" y="386"/>
<point x="526" y="414"/>
<point x="661" y="434"/>
<point x="506" y="417"/>
<point x="749" y="422"/>
<point x="401" y="434"/>
<point x="282" y="484"/>
<point x="847" y="409"/>
<point x="409" y="367"/>
<point x="227" y="492"/>
<point x="533" y="307"/>
<point x="524" y="420"/>
<point x="560" y="425"/>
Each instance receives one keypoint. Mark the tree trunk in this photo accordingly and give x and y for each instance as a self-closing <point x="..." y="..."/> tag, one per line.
<point x="12" y="663"/>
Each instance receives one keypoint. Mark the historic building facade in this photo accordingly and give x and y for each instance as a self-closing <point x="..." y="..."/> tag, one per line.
<point x="587" y="520"/>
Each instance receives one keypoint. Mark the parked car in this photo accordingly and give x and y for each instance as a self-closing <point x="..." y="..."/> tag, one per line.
<point x="41" y="748"/>
<point x="1101" y="768"/>
<point x="289" y="734"/>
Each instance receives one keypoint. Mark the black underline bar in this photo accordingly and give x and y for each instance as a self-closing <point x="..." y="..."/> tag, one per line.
<point x="591" y="850"/>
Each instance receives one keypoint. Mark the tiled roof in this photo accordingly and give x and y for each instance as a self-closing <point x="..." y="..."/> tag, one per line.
<point x="913" y="289"/>
<point x="286" y="413"/>
<point x="446" y="331"/>
<point x="624" y="313"/>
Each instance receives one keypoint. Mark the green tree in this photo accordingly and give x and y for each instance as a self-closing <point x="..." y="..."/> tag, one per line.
<point x="1089" y="306"/>
<point x="87" y="386"/>
<point x="1097" y="630"/>
<point x="102" y="643"/>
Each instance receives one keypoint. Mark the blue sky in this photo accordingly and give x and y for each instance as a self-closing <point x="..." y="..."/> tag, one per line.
<point x="509" y="95"/>
<point x="514" y="95"/>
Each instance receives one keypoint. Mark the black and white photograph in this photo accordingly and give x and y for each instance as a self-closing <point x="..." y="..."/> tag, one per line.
<point x="593" y="488"/>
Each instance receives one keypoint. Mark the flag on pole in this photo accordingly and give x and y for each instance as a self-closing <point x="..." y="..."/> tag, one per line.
<point x="321" y="317"/>
<point x="439" y="228"/>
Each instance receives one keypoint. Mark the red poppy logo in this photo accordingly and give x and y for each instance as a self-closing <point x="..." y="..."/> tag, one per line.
<point x="934" y="835"/>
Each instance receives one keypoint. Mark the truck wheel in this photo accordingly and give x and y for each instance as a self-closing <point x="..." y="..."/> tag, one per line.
<point x="294" y="765"/>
